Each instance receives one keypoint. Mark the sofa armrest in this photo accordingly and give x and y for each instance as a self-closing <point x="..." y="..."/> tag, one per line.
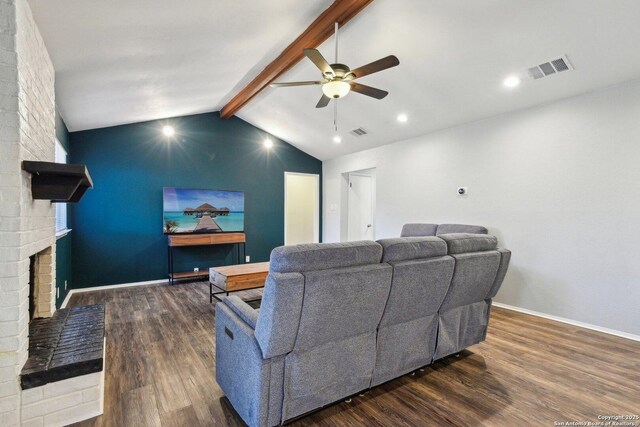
<point x="242" y="309"/>
<point x="241" y="372"/>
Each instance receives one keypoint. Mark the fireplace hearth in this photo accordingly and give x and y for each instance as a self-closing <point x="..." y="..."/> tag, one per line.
<point x="66" y="345"/>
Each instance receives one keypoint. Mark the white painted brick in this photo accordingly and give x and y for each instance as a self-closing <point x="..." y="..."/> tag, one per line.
<point x="10" y="224"/>
<point x="93" y="393"/>
<point x="8" y="359"/>
<point x="10" y="298"/>
<point x="73" y="415"/>
<point x="9" y="329"/>
<point x="9" y="254"/>
<point x="48" y="406"/>
<point x="8" y="86"/>
<point x="11" y="284"/>
<point x="9" y="208"/>
<point x="9" y="403"/>
<point x="9" y="314"/>
<point x="8" y="133"/>
<point x="27" y="132"/>
<point x="9" y="388"/>
<point x="32" y="395"/>
<point x="9" y="344"/>
<point x="9" y="239"/>
<point x="8" y="373"/>
<point x="33" y="422"/>
<point x="9" y="419"/>
<point x="72" y="384"/>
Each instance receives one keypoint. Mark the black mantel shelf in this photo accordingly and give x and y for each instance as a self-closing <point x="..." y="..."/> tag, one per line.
<point x="58" y="182"/>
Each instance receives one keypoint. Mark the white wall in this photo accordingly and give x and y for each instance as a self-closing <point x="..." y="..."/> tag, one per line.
<point x="558" y="184"/>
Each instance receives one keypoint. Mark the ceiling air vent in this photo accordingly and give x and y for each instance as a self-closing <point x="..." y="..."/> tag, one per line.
<point x="550" y="67"/>
<point x="358" y="132"/>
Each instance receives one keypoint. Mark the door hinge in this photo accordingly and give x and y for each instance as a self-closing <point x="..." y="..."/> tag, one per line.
<point x="350" y="184"/>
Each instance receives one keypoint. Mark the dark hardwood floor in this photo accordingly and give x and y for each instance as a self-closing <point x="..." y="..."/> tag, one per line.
<point x="530" y="371"/>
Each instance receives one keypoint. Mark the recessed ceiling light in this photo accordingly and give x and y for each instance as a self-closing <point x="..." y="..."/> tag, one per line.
<point x="268" y="143"/>
<point x="511" y="81"/>
<point x="168" y="131"/>
<point x="402" y="118"/>
<point x="337" y="139"/>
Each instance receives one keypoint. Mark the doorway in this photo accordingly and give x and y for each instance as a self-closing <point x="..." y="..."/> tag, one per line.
<point x="301" y="208"/>
<point x="361" y="204"/>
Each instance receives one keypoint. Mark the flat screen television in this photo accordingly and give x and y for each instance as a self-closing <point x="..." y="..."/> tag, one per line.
<point x="189" y="210"/>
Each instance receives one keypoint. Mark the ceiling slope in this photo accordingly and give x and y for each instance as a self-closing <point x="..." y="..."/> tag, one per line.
<point x="453" y="59"/>
<point x="123" y="61"/>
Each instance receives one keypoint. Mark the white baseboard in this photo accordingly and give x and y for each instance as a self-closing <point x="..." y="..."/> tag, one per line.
<point x="570" y="322"/>
<point x="121" y="285"/>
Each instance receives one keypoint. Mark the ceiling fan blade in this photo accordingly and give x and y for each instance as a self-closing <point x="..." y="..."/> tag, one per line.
<point x="375" y="66"/>
<point x="316" y="57"/>
<point x="324" y="101"/>
<point x="289" y="84"/>
<point x="368" y="90"/>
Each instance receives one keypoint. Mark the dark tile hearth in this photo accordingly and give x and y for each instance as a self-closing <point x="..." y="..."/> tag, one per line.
<point x="68" y="344"/>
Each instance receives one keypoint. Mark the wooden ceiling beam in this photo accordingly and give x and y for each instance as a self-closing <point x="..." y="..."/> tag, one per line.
<point x="341" y="11"/>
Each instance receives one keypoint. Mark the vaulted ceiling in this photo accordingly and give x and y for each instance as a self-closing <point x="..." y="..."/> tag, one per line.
<point x="126" y="61"/>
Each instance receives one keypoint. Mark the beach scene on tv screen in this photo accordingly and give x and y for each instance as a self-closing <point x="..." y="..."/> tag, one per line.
<point x="202" y="211"/>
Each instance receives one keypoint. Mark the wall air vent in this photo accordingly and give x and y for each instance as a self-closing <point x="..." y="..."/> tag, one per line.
<point x="358" y="132"/>
<point x="550" y="67"/>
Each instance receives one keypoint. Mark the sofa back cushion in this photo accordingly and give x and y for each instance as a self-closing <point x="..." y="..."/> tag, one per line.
<point x="277" y="323"/>
<point x="341" y="303"/>
<point x="323" y="256"/>
<point x="473" y="278"/>
<point x="460" y="243"/>
<point x="408" y="248"/>
<point x="460" y="228"/>
<point x="418" y="230"/>
<point x="408" y="330"/>
<point x="505" y="259"/>
<point x="335" y="348"/>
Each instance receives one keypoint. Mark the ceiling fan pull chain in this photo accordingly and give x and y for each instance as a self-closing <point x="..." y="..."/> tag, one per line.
<point x="335" y="115"/>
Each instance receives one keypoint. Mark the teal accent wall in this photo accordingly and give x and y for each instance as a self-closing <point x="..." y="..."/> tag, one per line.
<point x="63" y="244"/>
<point x="117" y="226"/>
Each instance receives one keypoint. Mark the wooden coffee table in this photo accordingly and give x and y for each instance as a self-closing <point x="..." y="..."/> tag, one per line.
<point x="234" y="278"/>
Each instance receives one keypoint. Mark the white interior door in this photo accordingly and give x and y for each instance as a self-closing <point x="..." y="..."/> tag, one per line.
<point x="360" y="225"/>
<point x="301" y="208"/>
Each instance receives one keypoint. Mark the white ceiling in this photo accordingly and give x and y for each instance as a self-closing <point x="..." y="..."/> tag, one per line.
<point x="132" y="61"/>
<point x="125" y="61"/>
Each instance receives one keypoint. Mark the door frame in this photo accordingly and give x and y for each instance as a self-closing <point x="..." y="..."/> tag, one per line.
<point x="373" y="201"/>
<point x="316" y="212"/>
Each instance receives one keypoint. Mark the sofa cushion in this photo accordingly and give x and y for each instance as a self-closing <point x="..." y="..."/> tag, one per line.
<point x="408" y="248"/>
<point x="460" y="228"/>
<point x="417" y="230"/>
<point x="277" y="323"/>
<point x="459" y="243"/>
<point x="323" y="256"/>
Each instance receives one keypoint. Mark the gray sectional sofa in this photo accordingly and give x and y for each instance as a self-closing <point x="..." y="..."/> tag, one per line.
<point x="339" y="318"/>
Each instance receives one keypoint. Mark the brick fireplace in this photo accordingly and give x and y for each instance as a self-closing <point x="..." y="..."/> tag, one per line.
<point x="27" y="226"/>
<point x="42" y="283"/>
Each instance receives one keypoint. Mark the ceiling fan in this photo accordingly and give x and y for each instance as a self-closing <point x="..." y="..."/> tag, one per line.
<point x="338" y="79"/>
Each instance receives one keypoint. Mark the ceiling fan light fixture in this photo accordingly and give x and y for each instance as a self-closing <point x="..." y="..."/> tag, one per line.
<point x="336" y="89"/>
